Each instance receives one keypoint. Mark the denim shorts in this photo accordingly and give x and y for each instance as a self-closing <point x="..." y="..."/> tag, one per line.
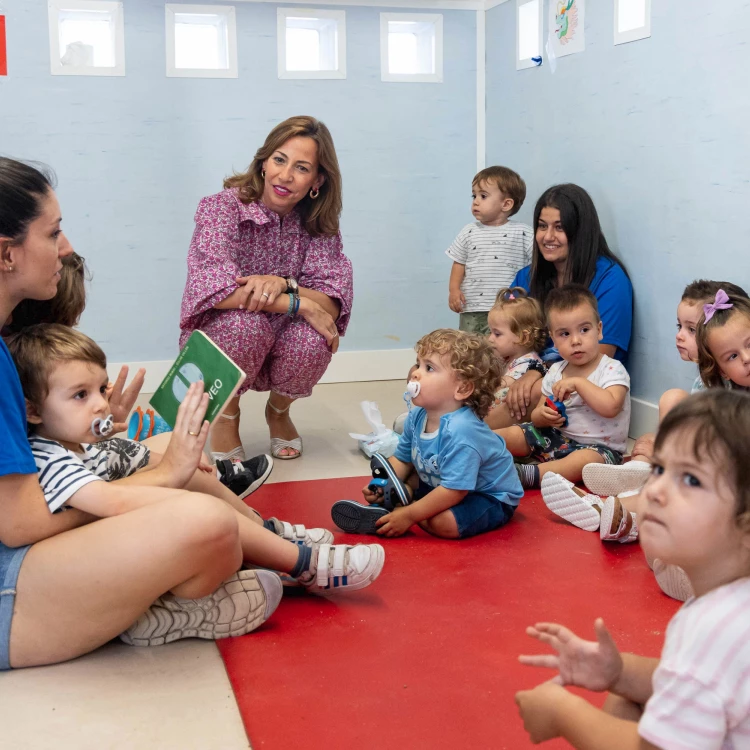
<point x="10" y="566"/>
<point x="476" y="513"/>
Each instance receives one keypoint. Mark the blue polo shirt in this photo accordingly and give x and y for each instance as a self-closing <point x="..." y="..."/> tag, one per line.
<point x="15" y="456"/>
<point x="614" y="296"/>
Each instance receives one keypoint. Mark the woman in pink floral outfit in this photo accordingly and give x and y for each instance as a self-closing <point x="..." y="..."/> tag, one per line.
<point x="268" y="280"/>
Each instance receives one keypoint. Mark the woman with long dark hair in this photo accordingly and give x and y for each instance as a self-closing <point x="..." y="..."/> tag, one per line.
<point x="569" y="247"/>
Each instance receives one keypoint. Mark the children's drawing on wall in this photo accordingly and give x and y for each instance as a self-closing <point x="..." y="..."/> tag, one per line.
<point x="566" y="23"/>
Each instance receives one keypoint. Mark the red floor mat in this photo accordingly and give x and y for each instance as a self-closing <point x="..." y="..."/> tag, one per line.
<point x="426" y="656"/>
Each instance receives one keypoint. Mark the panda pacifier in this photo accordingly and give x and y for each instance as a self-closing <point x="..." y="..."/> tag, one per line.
<point x="412" y="391"/>
<point x="103" y="427"/>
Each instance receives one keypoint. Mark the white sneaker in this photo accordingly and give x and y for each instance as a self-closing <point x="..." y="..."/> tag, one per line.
<point x="300" y="535"/>
<point x="608" y="479"/>
<point x="241" y="604"/>
<point x="343" y="568"/>
<point x="673" y="581"/>
<point x="564" y="499"/>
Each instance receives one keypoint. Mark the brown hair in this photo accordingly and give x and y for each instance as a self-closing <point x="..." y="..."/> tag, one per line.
<point x="524" y="316"/>
<point x="568" y="297"/>
<point x="508" y="183"/>
<point x="720" y="422"/>
<point x="710" y="371"/>
<point x="473" y="361"/>
<point x="38" y="349"/>
<point x="319" y="216"/>
<point x="65" y="308"/>
<point x="703" y="290"/>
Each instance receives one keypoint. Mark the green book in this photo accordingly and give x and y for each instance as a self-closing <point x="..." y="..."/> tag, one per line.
<point x="200" y="359"/>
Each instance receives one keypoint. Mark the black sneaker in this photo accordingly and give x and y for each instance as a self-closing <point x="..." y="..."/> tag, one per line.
<point x="244" y="477"/>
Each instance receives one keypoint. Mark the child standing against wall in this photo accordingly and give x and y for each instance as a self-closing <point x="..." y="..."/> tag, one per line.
<point x="489" y="252"/>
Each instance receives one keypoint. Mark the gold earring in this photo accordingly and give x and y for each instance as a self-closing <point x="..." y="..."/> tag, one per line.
<point x="263" y="173"/>
<point x="314" y="193"/>
<point x="9" y="267"/>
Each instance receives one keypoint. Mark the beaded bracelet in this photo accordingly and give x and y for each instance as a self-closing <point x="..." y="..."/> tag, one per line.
<point x="296" y="305"/>
<point x="291" y="306"/>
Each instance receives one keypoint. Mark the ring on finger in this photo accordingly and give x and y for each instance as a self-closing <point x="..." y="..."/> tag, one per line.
<point x="265" y="294"/>
<point x="194" y="434"/>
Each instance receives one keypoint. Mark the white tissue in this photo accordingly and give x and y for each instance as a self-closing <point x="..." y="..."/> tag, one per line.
<point x="382" y="439"/>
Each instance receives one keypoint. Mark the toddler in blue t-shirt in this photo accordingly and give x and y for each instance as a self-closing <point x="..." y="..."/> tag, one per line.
<point x="450" y="474"/>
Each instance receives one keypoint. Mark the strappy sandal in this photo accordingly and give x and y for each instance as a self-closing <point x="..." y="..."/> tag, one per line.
<point x="236" y="454"/>
<point x="278" y="444"/>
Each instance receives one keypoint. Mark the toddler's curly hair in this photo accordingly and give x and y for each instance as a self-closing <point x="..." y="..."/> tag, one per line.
<point x="524" y="315"/>
<point x="472" y="359"/>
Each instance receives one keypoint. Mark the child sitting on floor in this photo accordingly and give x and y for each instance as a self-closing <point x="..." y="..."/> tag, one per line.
<point x="450" y="474"/>
<point x="606" y="480"/>
<point x="595" y="392"/>
<point x="696" y="514"/>
<point x="517" y="334"/>
<point x="64" y="380"/>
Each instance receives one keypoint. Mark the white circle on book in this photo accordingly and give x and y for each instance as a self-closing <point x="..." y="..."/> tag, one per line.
<point x="185" y="377"/>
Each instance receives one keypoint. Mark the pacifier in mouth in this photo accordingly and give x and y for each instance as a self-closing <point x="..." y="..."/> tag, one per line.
<point x="412" y="391"/>
<point x="103" y="427"/>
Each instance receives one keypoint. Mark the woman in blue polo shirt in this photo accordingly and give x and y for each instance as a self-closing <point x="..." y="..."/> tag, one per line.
<point x="569" y="247"/>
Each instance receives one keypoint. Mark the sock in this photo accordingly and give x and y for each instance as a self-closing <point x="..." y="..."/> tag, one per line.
<point x="529" y="475"/>
<point x="303" y="561"/>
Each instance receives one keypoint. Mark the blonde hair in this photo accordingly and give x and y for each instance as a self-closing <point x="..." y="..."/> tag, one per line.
<point x="38" y="349"/>
<point x="710" y="371"/>
<point x="319" y="216"/>
<point x="525" y="316"/>
<point x="471" y="358"/>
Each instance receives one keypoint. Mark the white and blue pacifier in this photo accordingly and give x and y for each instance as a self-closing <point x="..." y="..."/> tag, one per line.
<point x="412" y="391"/>
<point x="103" y="427"/>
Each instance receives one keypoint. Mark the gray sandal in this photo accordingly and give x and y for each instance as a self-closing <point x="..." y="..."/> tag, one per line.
<point x="278" y="444"/>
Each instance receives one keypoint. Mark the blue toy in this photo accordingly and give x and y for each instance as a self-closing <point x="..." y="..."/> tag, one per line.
<point x="559" y="407"/>
<point x="144" y="425"/>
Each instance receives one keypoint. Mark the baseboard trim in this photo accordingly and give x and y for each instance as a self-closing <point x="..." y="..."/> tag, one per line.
<point x="644" y="417"/>
<point x="345" y="367"/>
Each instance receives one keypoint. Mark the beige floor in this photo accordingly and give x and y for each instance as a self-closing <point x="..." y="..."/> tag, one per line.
<point x="178" y="696"/>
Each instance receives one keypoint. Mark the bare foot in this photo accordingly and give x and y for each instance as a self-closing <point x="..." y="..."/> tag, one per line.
<point x="225" y="435"/>
<point x="281" y="426"/>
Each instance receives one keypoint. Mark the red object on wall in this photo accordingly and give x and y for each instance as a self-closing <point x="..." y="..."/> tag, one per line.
<point x="3" y="52"/>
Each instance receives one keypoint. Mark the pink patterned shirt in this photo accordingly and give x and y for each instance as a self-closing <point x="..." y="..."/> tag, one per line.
<point x="232" y="238"/>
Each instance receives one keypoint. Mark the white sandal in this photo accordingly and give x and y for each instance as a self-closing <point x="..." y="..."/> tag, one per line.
<point x="236" y="454"/>
<point x="278" y="444"/>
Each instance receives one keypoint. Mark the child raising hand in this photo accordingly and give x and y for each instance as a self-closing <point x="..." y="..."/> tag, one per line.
<point x="696" y="514"/>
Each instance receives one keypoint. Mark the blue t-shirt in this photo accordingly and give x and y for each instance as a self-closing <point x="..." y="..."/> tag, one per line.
<point x="464" y="454"/>
<point x="614" y="296"/>
<point x="15" y="455"/>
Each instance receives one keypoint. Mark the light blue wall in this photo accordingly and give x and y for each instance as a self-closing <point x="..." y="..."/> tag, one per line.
<point x="135" y="154"/>
<point x="657" y="132"/>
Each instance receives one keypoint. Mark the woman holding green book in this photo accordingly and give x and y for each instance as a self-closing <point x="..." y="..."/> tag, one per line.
<point x="268" y="281"/>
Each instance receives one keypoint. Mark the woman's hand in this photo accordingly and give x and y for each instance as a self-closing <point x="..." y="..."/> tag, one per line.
<point x="519" y="394"/>
<point x="594" y="665"/>
<point x="256" y="292"/>
<point x="321" y="321"/>
<point x="184" y="453"/>
<point x="121" y="399"/>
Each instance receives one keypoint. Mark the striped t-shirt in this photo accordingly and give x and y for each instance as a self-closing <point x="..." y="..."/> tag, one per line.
<point x="701" y="695"/>
<point x="492" y="257"/>
<point x="62" y="473"/>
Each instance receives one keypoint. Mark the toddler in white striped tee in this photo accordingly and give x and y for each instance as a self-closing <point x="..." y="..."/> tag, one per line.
<point x="489" y="252"/>
<point x="695" y="514"/>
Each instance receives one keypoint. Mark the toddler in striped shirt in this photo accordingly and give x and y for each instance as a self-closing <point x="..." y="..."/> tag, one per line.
<point x="489" y="252"/>
<point x="695" y="514"/>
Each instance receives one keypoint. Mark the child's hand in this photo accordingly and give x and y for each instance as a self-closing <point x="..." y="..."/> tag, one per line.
<point x="396" y="523"/>
<point x="206" y="467"/>
<point x="121" y="399"/>
<point x="563" y="388"/>
<point x="370" y="496"/>
<point x="543" y="416"/>
<point x="594" y="665"/>
<point x="456" y="301"/>
<point x="539" y="710"/>
<point x="185" y="450"/>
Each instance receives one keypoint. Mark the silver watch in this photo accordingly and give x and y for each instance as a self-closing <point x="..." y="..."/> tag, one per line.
<point x="292" y="287"/>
